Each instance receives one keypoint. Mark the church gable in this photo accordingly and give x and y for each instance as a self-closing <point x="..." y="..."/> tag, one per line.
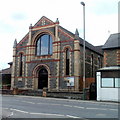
<point x="43" y="21"/>
<point x="24" y="41"/>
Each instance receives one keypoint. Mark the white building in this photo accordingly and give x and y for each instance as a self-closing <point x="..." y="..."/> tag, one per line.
<point x="108" y="84"/>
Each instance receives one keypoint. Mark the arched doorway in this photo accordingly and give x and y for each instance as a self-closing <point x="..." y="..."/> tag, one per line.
<point x="42" y="78"/>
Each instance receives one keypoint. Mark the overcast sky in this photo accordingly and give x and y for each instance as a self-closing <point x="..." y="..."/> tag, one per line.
<point x="17" y="15"/>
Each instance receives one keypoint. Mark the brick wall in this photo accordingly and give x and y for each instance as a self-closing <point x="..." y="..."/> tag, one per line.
<point x="111" y="57"/>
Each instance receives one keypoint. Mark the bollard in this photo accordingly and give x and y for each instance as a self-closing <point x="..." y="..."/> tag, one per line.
<point x="15" y="91"/>
<point x="44" y="92"/>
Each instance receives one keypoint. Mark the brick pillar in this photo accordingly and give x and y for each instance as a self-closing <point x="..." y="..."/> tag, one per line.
<point x="13" y="65"/>
<point x="77" y="61"/>
<point x="29" y="44"/>
<point x="28" y="52"/>
<point x="76" y="64"/>
<point x="105" y="59"/>
<point x="57" y="54"/>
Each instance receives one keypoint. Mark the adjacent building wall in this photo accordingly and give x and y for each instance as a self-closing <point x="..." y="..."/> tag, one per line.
<point x="111" y="57"/>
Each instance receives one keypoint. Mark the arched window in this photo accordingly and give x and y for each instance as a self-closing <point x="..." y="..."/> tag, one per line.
<point x="44" y="45"/>
<point x="92" y="64"/>
<point x="21" y="64"/>
<point x="67" y="61"/>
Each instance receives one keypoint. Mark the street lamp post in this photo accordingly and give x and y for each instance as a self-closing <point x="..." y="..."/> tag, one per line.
<point x="82" y="3"/>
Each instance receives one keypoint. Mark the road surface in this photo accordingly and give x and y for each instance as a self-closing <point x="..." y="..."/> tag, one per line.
<point x="40" y="107"/>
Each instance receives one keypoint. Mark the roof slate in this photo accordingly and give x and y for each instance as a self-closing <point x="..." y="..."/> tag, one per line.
<point x="96" y="49"/>
<point x="112" y="42"/>
<point x="6" y="71"/>
<point x="92" y="47"/>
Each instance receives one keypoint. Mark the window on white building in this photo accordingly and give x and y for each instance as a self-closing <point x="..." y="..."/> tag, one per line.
<point x="117" y="82"/>
<point x="110" y="82"/>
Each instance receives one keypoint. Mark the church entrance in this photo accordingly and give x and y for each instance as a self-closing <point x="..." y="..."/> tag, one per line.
<point x="43" y="78"/>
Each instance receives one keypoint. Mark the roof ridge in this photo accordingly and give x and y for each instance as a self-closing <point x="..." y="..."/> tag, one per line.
<point x="43" y="17"/>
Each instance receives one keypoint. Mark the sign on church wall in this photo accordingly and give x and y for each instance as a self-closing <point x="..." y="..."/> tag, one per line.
<point x="70" y="81"/>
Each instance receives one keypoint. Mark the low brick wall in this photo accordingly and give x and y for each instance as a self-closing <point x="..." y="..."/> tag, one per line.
<point x="6" y="91"/>
<point x="67" y="95"/>
<point x="21" y="92"/>
<point x="30" y="92"/>
<point x="59" y="94"/>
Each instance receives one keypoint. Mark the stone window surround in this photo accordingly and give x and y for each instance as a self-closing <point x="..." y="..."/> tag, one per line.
<point x="64" y="60"/>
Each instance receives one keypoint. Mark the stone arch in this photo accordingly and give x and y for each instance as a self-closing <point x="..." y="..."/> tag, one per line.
<point x="39" y="33"/>
<point x="67" y="46"/>
<point x="21" y="63"/>
<point x="20" y="52"/>
<point x="36" y="75"/>
<point x="64" y="60"/>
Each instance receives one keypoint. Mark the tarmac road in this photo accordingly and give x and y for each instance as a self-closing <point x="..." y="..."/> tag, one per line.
<point x="40" y="107"/>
